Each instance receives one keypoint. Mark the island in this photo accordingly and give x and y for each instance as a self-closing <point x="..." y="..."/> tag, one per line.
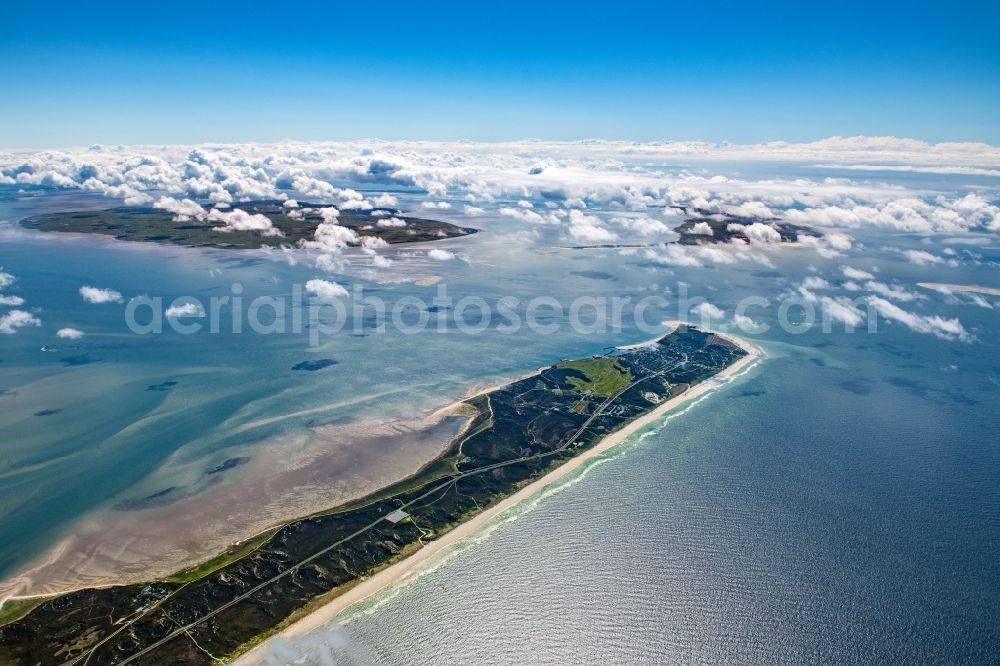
<point x="709" y="229"/>
<point x="703" y="227"/>
<point x="295" y="224"/>
<point x="963" y="288"/>
<point x="517" y="438"/>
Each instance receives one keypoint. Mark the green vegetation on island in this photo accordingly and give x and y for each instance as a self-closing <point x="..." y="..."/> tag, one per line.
<point x="517" y="433"/>
<point x="603" y="375"/>
<point x="295" y="224"/>
<point x="711" y="229"/>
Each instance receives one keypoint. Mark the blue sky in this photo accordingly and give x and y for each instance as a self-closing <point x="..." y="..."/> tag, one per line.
<point x="84" y="73"/>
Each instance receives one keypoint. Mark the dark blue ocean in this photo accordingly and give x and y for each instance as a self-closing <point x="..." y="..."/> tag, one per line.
<point x="840" y="504"/>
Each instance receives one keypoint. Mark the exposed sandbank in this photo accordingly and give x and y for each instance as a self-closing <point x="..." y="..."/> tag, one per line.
<point x="285" y="479"/>
<point x="969" y="288"/>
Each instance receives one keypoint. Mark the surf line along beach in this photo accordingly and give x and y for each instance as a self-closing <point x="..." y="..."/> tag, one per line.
<point x="403" y="570"/>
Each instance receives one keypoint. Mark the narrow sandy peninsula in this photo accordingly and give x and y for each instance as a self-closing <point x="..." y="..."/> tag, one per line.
<point x="518" y="438"/>
<point x="400" y="571"/>
<point x="967" y="288"/>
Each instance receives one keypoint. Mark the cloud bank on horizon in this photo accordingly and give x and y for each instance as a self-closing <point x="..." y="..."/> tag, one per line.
<point x="585" y="192"/>
<point x="567" y="176"/>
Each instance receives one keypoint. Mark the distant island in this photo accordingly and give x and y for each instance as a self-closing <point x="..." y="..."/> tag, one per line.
<point x="967" y="288"/>
<point x="517" y="438"/>
<point x="703" y="227"/>
<point x="727" y="228"/>
<point x="294" y="224"/>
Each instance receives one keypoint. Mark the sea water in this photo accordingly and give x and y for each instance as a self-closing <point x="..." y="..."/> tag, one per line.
<point x="839" y="503"/>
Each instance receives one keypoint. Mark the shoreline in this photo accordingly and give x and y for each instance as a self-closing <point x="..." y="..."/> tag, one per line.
<point x="946" y="288"/>
<point x="35" y="582"/>
<point x="428" y="420"/>
<point x="401" y="569"/>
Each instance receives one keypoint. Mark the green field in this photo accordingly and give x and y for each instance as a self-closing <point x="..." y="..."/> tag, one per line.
<point x="153" y="225"/>
<point x="605" y="376"/>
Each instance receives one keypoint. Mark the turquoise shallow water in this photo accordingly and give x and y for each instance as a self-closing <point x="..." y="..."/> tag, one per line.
<point x="839" y="504"/>
<point x="117" y="418"/>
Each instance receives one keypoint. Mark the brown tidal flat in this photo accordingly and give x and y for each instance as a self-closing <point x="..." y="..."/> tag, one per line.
<point x="286" y="479"/>
<point x="968" y="288"/>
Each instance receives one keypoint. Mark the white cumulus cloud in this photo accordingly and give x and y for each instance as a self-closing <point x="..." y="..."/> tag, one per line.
<point x="238" y="219"/>
<point x="921" y="257"/>
<point x="816" y="282"/>
<point x="702" y="229"/>
<point x="841" y="309"/>
<point x="70" y="333"/>
<point x="708" y="311"/>
<point x="644" y="226"/>
<point x="182" y="210"/>
<point x="894" y="292"/>
<point x="855" y="273"/>
<point x="589" y="228"/>
<point x="97" y="295"/>
<point x="15" y="319"/>
<point x="185" y="310"/>
<point x="946" y="329"/>
<point x="325" y="290"/>
<point x="759" y="232"/>
<point x="745" y="323"/>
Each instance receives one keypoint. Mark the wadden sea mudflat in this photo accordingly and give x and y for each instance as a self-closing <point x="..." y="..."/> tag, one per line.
<point x="283" y="480"/>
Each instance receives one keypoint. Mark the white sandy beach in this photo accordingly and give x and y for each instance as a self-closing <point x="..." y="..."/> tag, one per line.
<point x="400" y="570"/>
<point x="968" y="288"/>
